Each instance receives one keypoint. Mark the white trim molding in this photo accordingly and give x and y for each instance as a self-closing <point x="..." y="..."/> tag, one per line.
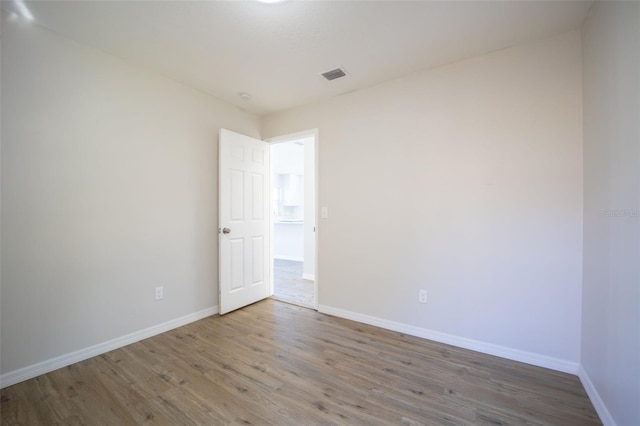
<point x="31" y="371"/>
<point x="308" y="277"/>
<point x="594" y="396"/>
<point x="461" y="342"/>
<point x="293" y="258"/>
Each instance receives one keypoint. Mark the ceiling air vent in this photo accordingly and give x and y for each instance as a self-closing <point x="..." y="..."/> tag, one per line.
<point x="333" y="74"/>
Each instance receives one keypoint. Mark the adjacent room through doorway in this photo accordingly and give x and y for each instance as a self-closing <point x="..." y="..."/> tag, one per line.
<point x="293" y="216"/>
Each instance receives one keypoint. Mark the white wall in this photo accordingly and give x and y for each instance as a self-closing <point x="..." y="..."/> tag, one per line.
<point x="288" y="237"/>
<point x="288" y="241"/>
<point x="610" y="353"/>
<point x="287" y="158"/>
<point x="465" y="180"/>
<point x="109" y="189"/>
<point x="296" y="241"/>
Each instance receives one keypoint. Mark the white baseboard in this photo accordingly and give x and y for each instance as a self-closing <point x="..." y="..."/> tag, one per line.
<point x="294" y="258"/>
<point x="594" y="396"/>
<point x="309" y="277"/>
<point x="31" y="371"/>
<point x="462" y="342"/>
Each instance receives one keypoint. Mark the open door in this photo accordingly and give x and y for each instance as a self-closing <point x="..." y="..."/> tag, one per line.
<point x="244" y="221"/>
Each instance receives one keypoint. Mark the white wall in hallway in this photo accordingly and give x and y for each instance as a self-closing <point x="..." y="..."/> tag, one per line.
<point x="294" y="238"/>
<point x="288" y="241"/>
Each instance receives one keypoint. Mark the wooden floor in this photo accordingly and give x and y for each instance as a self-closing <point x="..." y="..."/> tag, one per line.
<point x="289" y="286"/>
<point x="273" y="363"/>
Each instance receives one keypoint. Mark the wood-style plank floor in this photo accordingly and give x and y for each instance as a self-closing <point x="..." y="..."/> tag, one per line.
<point x="288" y="284"/>
<point x="273" y="363"/>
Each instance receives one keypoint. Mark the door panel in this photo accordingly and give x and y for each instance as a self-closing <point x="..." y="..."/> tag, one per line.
<point x="237" y="196"/>
<point x="244" y="221"/>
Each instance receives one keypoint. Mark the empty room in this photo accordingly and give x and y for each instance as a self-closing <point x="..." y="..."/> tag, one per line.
<point x="465" y="201"/>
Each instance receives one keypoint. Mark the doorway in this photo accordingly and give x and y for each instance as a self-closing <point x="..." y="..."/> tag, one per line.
<point x="293" y="201"/>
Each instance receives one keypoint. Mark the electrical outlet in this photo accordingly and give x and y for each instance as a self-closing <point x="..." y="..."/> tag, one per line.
<point x="159" y="293"/>
<point x="422" y="296"/>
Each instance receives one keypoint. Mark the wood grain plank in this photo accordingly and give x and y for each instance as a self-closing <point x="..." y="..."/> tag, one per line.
<point x="273" y="363"/>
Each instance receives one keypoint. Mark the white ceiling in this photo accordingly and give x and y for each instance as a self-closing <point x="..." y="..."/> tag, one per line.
<point x="276" y="52"/>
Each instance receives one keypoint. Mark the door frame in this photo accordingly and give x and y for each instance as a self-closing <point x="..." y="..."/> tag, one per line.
<point x="290" y="137"/>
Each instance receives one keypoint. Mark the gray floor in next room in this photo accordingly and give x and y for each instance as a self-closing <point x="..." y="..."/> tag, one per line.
<point x="289" y="286"/>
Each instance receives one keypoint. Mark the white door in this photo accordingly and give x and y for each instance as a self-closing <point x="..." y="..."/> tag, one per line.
<point x="244" y="221"/>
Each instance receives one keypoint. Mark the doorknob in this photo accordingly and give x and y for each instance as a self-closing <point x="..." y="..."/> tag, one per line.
<point x="226" y="230"/>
